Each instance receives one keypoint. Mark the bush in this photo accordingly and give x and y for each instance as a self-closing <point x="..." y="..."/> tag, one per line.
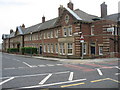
<point x="29" y="50"/>
<point x="12" y="50"/>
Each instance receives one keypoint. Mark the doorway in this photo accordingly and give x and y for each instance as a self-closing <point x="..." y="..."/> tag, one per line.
<point x="40" y="49"/>
<point x="92" y="48"/>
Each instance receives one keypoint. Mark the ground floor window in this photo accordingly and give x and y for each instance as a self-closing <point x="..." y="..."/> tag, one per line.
<point x="48" y="48"/>
<point x="100" y="50"/>
<point x="44" y="48"/>
<point x="62" y="48"/>
<point x="52" y="47"/>
<point x="56" y="48"/>
<point x="70" y="48"/>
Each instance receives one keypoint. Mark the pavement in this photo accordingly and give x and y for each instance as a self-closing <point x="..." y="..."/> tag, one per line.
<point x="73" y="61"/>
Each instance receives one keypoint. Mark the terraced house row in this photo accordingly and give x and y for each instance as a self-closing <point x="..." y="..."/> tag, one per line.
<point x="60" y="37"/>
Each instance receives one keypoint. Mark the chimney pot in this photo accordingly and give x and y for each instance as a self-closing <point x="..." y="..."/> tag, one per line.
<point x="43" y="19"/>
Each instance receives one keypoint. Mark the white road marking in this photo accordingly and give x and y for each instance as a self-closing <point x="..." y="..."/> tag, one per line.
<point x="45" y="79"/>
<point x="100" y="72"/>
<point x="52" y="84"/>
<point x="6" y="80"/>
<point x="117" y="73"/>
<point x="50" y="65"/>
<point x="27" y="64"/>
<point x="59" y="64"/>
<point x="71" y="76"/>
<point x="37" y="74"/>
<point x="9" y="68"/>
<point x="42" y="65"/>
<point x="117" y="67"/>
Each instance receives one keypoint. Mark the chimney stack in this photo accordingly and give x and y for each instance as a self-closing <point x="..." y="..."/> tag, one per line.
<point x="43" y="19"/>
<point x="11" y="31"/>
<point x="23" y="25"/>
<point x="60" y="10"/>
<point x="103" y="10"/>
<point x="70" y="5"/>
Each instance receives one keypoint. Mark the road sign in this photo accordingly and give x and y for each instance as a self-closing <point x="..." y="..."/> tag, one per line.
<point x="81" y="38"/>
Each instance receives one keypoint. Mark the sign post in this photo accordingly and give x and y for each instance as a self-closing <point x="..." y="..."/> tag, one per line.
<point x="82" y="41"/>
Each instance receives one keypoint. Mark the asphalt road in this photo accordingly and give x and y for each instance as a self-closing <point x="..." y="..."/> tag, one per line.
<point x="26" y="73"/>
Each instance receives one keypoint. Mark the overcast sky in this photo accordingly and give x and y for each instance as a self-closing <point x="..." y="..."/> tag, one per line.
<point x="14" y="13"/>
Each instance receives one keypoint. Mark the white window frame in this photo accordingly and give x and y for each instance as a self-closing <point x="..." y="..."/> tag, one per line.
<point x="65" y="31"/>
<point x="52" y="47"/>
<point x="56" y="33"/>
<point x="62" y="48"/>
<point x="56" y="48"/>
<point x="48" y="48"/>
<point x="44" y="48"/>
<point x="100" y="47"/>
<point x="70" y="31"/>
<point x="70" y="46"/>
<point x="51" y="33"/>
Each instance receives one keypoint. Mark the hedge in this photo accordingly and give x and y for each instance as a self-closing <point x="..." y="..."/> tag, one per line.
<point x="12" y="50"/>
<point x="29" y="50"/>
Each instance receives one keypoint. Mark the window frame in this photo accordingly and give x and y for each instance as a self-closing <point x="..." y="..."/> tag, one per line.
<point x="70" y="47"/>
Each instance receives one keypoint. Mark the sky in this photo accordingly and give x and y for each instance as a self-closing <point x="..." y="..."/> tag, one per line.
<point x="29" y="12"/>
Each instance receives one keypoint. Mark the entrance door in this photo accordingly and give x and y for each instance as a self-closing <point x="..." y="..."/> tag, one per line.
<point x="92" y="50"/>
<point x="18" y="46"/>
<point x="40" y="49"/>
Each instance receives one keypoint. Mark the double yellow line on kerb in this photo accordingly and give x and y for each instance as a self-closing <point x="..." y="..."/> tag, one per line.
<point x="90" y="81"/>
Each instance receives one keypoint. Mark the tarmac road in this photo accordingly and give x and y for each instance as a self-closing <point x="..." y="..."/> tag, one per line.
<point x="19" y="72"/>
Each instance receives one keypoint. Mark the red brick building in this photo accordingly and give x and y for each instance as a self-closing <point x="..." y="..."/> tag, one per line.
<point x="60" y="37"/>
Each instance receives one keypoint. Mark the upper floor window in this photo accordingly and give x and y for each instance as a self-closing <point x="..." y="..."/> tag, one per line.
<point x="48" y="34"/>
<point x="67" y="31"/>
<point x="92" y="30"/>
<point x="66" y="19"/>
<point x="56" y="33"/>
<point x="51" y="34"/>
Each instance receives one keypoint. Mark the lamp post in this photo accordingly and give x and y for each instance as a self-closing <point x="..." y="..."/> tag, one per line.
<point x="31" y="42"/>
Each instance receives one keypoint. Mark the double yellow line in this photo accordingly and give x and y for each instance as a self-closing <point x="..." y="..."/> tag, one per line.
<point x="90" y="81"/>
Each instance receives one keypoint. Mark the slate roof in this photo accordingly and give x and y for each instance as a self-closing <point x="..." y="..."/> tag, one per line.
<point x="85" y="16"/>
<point x="41" y="26"/>
<point x="4" y="36"/>
<point x="113" y="17"/>
<point x="20" y="29"/>
<point x="12" y="34"/>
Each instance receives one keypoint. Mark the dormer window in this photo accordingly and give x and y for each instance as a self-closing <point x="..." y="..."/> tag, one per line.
<point x="66" y="19"/>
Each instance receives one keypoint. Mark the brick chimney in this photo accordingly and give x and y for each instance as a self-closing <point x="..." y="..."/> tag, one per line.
<point x="70" y="5"/>
<point x="60" y="10"/>
<point x="23" y="25"/>
<point x="43" y="19"/>
<point x="11" y="31"/>
<point x="103" y="10"/>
